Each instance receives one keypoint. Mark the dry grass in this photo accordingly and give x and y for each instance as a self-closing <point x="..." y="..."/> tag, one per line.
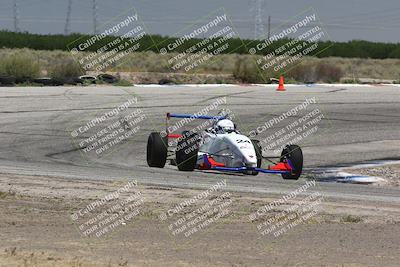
<point x="6" y="194"/>
<point x="351" y="68"/>
<point x="20" y="65"/>
<point x="351" y="219"/>
<point x="65" y="69"/>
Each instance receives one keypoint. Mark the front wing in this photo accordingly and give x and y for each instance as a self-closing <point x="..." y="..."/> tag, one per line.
<point x="279" y="168"/>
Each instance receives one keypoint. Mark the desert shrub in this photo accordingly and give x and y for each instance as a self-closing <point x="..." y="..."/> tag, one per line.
<point x="304" y="73"/>
<point x="65" y="69"/>
<point x="246" y="70"/>
<point x="328" y="73"/>
<point x="351" y="219"/>
<point x="21" y="66"/>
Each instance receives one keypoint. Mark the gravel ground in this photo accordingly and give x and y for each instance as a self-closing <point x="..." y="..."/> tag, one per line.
<point x="37" y="230"/>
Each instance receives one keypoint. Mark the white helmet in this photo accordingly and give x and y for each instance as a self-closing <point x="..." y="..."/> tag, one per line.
<point x="225" y="125"/>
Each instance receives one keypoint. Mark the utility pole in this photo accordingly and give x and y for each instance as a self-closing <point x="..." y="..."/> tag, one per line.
<point x="68" y="19"/>
<point x="94" y="16"/>
<point x="269" y="26"/>
<point x="16" y="16"/>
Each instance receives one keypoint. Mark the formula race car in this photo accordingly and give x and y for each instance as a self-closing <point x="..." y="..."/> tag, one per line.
<point x="220" y="147"/>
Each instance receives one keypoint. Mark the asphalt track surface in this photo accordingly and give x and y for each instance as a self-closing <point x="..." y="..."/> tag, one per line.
<point x="361" y="123"/>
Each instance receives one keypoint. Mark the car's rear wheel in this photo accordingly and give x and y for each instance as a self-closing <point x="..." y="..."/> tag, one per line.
<point x="186" y="151"/>
<point x="294" y="154"/>
<point x="157" y="148"/>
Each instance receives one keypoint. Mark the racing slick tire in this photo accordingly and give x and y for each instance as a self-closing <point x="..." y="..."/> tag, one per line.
<point x="258" y="149"/>
<point x="295" y="155"/>
<point x="157" y="149"/>
<point x="187" y="150"/>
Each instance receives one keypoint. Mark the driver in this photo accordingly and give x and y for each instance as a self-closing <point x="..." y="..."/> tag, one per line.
<point x="224" y="126"/>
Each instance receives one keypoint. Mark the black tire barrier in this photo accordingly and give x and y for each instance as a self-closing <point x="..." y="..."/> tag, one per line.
<point x="166" y="82"/>
<point x="107" y="78"/>
<point x="48" y="81"/>
<point x="7" y="80"/>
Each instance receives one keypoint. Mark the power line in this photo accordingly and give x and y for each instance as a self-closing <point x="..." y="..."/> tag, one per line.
<point x="368" y="14"/>
<point x="385" y="19"/>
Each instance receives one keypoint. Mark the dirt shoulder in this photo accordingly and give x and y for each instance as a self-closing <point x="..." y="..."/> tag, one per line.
<point x="38" y="228"/>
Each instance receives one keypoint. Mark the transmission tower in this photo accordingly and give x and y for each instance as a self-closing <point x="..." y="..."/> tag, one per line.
<point x="68" y="19"/>
<point x="258" y="8"/>
<point x="94" y="16"/>
<point x="16" y="16"/>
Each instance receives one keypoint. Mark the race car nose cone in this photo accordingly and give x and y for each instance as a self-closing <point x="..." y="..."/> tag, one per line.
<point x="250" y="159"/>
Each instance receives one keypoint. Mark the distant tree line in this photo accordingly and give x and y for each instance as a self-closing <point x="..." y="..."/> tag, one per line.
<point x="351" y="49"/>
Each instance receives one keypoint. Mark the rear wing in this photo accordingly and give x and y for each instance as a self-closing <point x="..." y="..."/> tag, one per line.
<point x="188" y="116"/>
<point x="194" y="116"/>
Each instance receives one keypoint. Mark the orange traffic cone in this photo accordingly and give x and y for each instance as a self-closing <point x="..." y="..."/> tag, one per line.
<point x="281" y="86"/>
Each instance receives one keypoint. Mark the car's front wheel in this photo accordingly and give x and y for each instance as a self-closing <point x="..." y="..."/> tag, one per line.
<point x="294" y="154"/>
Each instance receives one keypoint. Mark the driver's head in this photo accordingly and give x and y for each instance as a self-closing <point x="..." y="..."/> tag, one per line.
<point x="227" y="126"/>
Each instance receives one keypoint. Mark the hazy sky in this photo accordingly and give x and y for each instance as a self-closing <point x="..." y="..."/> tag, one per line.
<point x="344" y="19"/>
